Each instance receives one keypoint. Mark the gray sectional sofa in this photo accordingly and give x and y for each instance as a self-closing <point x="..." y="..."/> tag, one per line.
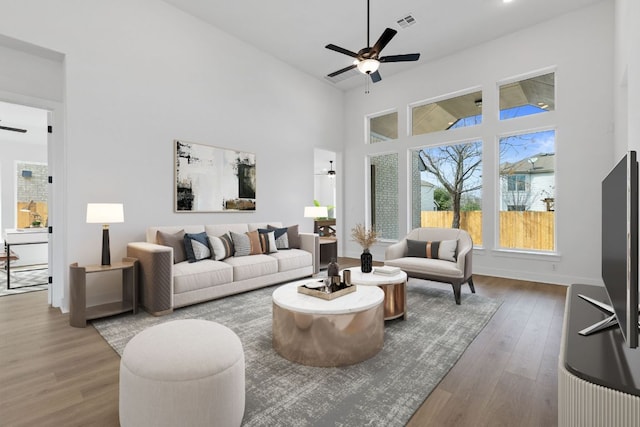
<point x="165" y="284"/>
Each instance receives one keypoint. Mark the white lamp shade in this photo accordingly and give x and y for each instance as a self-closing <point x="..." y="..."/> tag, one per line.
<point x="368" y="66"/>
<point x="316" y="212"/>
<point x="105" y="213"/>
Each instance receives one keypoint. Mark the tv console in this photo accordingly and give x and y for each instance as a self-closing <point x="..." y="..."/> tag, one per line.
<point x="598" y="375"/>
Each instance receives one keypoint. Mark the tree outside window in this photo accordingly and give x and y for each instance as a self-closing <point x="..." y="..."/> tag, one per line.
<point x="455" y="172"/>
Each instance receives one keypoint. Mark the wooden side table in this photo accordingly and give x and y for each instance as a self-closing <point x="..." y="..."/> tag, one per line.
<point x="80" y="313"/>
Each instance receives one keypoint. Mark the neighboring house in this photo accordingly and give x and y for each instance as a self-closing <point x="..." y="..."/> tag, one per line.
<point x="529" y="184"/>
<point x="426" y="196"/>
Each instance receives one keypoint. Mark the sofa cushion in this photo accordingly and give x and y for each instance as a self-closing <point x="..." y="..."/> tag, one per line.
<point x="221" y="246"/>
<point x="282" y="238"/>
<point x="267" y="241"/>
<point x="444" y="249"/>
<point x="427" y="267"/>
<point x="246" y="243"/>
<point x="293" y="235"/>
<point x="197" y="246"/>
<point x="293" y="259"/>
<point x="248" y="267"/>
<point x="204" y="274"/>
<point x="175" y="241"/>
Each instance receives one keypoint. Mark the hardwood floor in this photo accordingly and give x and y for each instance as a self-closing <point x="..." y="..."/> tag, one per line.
<point x="54" y="375"/>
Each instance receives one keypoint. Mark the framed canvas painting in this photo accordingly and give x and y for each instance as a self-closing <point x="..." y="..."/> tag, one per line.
<point x="213" y="179"/>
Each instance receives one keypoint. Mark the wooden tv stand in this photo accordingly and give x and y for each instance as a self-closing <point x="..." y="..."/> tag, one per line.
<point x="598" y="375"/>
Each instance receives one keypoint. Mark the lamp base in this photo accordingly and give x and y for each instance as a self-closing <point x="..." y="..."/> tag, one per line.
<point x="106" y="252"/>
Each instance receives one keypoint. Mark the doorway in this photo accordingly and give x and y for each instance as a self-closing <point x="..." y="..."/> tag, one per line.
<point x="24" y="201"/>
<point x="324" y="194"/>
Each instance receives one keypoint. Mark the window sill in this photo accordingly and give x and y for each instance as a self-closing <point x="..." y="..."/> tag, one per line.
<point x="524" y="254"/>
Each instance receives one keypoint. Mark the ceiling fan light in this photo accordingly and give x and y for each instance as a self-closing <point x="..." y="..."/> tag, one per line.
<point x="367" y="66"/>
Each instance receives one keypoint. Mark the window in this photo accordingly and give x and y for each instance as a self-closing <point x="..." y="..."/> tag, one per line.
<point x="447" y="187"/>
<point x="516" y="182"/>
<point x="32" y="187"/>
<point x="384" y="195"/>
<point x="527" y="191"/>
<point x="525" y="97"/>
<point x="383" y="127"/>
<point x="451" y="113"/>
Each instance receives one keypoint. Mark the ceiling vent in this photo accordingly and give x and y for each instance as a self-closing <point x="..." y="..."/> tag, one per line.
<point x="406" y="21"/>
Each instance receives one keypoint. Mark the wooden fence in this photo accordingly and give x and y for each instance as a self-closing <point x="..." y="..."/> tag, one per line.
<point x="521" y="230"/>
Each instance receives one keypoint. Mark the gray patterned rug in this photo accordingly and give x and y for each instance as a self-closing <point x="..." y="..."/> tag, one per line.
<point x="24" y="279"/>
<point x="383" y="391"/>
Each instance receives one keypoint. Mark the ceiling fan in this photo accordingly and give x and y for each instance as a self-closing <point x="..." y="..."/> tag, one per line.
<point x="12" y="129"/>
<point x="368" y="59"/>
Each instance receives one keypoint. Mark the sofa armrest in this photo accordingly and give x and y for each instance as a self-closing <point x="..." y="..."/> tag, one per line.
<point x="464" y="262"/>
<point x="155" y="284"/>
<point x="310" y="242"/>
<point x="396" y="250"/>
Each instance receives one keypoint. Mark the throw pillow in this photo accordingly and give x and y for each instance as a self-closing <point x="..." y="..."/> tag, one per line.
<point x="445" y="249"/>
<point x="197" y="246"/>
<point x="293" y="236"/>
<point x="222" y="247"/>
<point x="246" y="243"/>
<point x="282" y="238"/>
<point x="175" y="241"/>
<point x="267" y="241"/>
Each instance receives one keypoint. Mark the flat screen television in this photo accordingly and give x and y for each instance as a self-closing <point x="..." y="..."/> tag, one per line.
<point x="620" y="249"/>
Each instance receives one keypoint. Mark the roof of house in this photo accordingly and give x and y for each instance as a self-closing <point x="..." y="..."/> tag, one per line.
<point x="538" y="163"/>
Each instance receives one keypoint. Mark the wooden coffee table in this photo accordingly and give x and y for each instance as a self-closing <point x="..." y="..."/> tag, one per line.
<point x="394" y="287"/>
<point x="317" y="332"/>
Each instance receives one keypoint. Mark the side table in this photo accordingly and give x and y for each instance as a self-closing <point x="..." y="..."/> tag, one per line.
<point x="394" y="287"/>
<point x="78" y="310"/>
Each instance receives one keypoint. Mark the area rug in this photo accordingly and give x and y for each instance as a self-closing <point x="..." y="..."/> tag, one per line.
<point x="383" y="391"/>
<point x="24" y="280"/>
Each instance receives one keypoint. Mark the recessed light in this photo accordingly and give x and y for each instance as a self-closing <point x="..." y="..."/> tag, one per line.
<point x="507" y="1"/>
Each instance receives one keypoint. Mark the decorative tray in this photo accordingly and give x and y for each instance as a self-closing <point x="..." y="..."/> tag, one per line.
<point x="314" y="290"/>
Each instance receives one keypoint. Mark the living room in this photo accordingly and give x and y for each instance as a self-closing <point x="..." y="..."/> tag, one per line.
<point x="124" y="80"/>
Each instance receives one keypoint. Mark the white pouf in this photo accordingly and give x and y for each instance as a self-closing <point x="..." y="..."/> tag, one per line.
<point x="183" y="373"/>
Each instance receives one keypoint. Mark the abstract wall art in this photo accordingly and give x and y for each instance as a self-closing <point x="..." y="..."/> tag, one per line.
<point x="212" y="179"/>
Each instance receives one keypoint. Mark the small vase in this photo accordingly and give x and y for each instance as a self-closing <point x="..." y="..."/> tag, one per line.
<point x="333" y="269"/>
<point x="366" y="261"/>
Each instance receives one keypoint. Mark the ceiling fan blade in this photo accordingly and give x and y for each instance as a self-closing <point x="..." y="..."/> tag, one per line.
<point x="341" y="50"/>
<point x="375" y="76"/>
<point x="384" y="39"/>
<point x="400" y="58"/>
<point x="345" y="69"/>
<point x="13" y="129"/>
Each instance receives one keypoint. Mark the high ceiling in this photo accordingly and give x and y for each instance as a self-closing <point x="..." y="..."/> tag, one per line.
<point x="296" y="31"/>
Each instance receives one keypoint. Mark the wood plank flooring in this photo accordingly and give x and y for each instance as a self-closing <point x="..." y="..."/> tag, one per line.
<point x="54" y="375"/>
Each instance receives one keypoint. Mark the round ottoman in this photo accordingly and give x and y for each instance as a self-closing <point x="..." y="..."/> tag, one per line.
<point x="182" y="373"/>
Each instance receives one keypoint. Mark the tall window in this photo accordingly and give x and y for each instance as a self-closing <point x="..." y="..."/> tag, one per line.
<point x="527" y="191"/>
<point x="383" y="127"/>
<point x="384" y="195"/>
<point x="451" y="113"/>
<point x="525" y="97"/>
<point x="447" y="187"/>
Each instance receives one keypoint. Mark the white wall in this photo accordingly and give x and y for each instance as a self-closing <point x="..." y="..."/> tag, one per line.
<point x="626" y="83"/>
<point x="579" y="47"/>
<point x="141" y="74"/>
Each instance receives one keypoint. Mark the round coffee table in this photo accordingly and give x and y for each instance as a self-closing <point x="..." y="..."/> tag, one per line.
<point x="317" y="332"/>
<point x="394" y="287"/>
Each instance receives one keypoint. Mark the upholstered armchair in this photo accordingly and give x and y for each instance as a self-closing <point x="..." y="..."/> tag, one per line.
<point x="430" y="253"/>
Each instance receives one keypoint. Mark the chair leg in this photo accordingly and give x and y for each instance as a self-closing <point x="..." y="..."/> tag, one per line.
<point x="473" y="288"/>
<point x="457" y="292"/>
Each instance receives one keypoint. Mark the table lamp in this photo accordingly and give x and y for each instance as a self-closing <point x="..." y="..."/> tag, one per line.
<point x="105" y="214"/>
<point x="316" y="212"/>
